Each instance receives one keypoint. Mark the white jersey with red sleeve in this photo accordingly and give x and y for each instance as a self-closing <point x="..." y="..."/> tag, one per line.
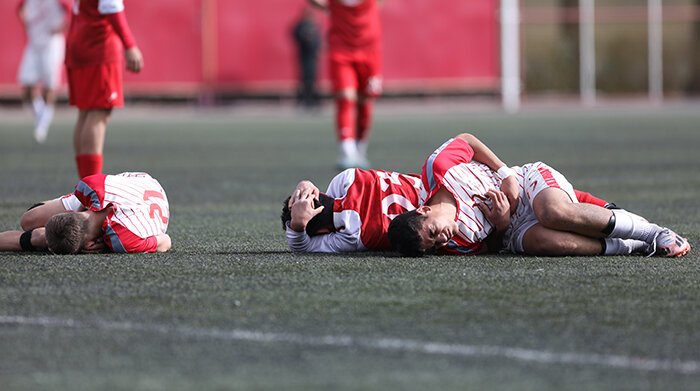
<point x="140" y="209"/>
<point x="365" y="203"/>
<point x="451" y="167"/>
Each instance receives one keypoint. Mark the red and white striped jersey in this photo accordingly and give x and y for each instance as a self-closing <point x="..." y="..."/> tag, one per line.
<point x="451" y="167"/>
<point x="365" y="203"/>
<point x="140" y="208"/>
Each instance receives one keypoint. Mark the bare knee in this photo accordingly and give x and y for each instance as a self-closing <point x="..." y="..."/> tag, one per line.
<point x="554" y="217"/>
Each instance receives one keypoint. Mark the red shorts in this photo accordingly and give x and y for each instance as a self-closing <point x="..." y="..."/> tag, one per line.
<point x="96" y="86"/>
<point x="359" y="70"/>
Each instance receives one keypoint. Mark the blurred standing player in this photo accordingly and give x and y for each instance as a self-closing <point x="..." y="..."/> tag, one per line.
<point x="98" y="35"/>
<point x="354" y="42"/>
<point x="307" y="38"/>
<point x="44" y="22"/>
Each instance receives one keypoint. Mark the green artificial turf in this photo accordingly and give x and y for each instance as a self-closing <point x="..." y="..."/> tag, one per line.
<point x="229" y="308"/>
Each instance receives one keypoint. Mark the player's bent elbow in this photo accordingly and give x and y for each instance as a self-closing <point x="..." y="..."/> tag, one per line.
<point x="164" y="243"/>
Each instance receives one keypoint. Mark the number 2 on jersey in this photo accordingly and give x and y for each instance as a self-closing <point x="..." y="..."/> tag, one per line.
<point x="147" y="195"/>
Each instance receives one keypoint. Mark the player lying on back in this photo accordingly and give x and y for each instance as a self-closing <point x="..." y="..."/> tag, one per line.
<point x="123" y="213"/>
<point x="355" y="212"/>
<point x="470" y="198"/>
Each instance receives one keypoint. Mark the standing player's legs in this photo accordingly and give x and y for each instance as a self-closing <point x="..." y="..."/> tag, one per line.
<point x="370" y="82"/>
<point x="89" y="139"/>
<point x="95" y="90"/>
<point x="52" y="64"/>
<point x="345" y="85"/>
<point x="28" y="77"/>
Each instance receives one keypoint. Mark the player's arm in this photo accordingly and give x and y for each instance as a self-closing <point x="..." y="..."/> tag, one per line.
<point x="485" y="155"/>
<point x="30" y="240"/>
<point x="37" y="215"/>
<point x="320" y="4"/>
<point x="334" y="242"/>
<point x="117" y="18"/>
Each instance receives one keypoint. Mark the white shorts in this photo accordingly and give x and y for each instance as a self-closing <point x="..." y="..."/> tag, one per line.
<point x="533" y="178"/>
<point x="42" y="64"/>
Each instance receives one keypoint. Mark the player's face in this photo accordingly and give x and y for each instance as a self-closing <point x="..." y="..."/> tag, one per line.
<point x="436" y="231"/>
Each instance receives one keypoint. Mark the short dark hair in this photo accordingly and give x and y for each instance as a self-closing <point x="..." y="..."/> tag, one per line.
<point x="66" y="233"/>
<point x="318" y="222"/>
<point x="404" y="233"/>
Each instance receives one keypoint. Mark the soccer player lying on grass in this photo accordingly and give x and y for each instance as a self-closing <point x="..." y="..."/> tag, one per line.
<point x="355" y="212"/>
<point x="468" y="195"/>
<point x="123" y="213"/>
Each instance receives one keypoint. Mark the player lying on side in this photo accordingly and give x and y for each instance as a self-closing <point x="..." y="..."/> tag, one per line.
<point x="469" y="198"/>
<point x="355" y="212"/>
<point x="123" y="213"/>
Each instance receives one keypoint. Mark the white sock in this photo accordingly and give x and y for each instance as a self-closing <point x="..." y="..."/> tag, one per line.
<point x="627" y="227"/>
<point x="616" y="246"/>
<point x="46" y="116"/>
<point x="362" y="147"/>
<point x="348" y="148"/>
<point x="38" y="106"/>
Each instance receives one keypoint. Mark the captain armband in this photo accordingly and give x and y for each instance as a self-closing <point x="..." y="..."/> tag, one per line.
<point x="505" y="171"/>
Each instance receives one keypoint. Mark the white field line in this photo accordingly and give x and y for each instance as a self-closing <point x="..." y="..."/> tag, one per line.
<point x="388" y="344"/>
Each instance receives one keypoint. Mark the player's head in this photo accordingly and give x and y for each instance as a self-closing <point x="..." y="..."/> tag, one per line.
<point x="404" y="233"/>
<point x="66" y="233"/>
<point x="415" y="232"/>
<point x="320" y="224"/>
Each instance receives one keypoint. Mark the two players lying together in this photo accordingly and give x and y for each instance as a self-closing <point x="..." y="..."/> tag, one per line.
<point x="467" y="201"/>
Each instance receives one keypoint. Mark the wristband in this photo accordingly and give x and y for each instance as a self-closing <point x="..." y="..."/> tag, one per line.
<point x="505" y="171"/>
<point x="25" y="241"/>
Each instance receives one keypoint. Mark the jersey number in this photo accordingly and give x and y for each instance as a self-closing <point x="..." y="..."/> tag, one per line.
<point x="147" y="195"/>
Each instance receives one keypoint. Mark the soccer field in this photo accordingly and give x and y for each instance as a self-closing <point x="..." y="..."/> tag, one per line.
<point x="230" y="308"/>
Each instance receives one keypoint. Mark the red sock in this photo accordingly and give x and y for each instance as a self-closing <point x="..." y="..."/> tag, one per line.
<point x="364" y="119"/>
<point x="344" y="118"/>
<point x="588" y="198"/>
<point x="89" y="164"/>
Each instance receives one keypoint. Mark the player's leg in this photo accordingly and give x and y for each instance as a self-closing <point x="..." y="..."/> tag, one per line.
<point x="52" y="63"/>
<point x="370" y="82"/>
<point x="28" y="77"/>
<point x="345" y="89"/>
<point x="89" y="140"/>
<point x="588" y="198"/>
<point x="539" y="240"/>
<point x="552" y="203"/>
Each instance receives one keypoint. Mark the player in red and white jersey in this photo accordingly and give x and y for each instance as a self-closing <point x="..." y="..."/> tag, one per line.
<point x="354" y="213"/>
<point x="39" y="73"/>
<point x="126" y="213"/>
<point x="468" y="196"/>
<point x="98" y="40"/>
<point x="354" y="44"/>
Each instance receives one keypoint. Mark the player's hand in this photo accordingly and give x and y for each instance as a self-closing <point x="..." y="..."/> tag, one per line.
<point x="499" y="212"/>
<point x="134" y="59"/>
<point x="511" y="189"/>
<point x="93" y="246"/>
<point x="302" y="209"/>
<point x="305" y="186"/>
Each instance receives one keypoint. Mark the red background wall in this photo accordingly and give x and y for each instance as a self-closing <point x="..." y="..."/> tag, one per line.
<point x="246" y="46"/>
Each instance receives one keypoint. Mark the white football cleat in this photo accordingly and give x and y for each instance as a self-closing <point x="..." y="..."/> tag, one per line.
<point x="669" y="244"/>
